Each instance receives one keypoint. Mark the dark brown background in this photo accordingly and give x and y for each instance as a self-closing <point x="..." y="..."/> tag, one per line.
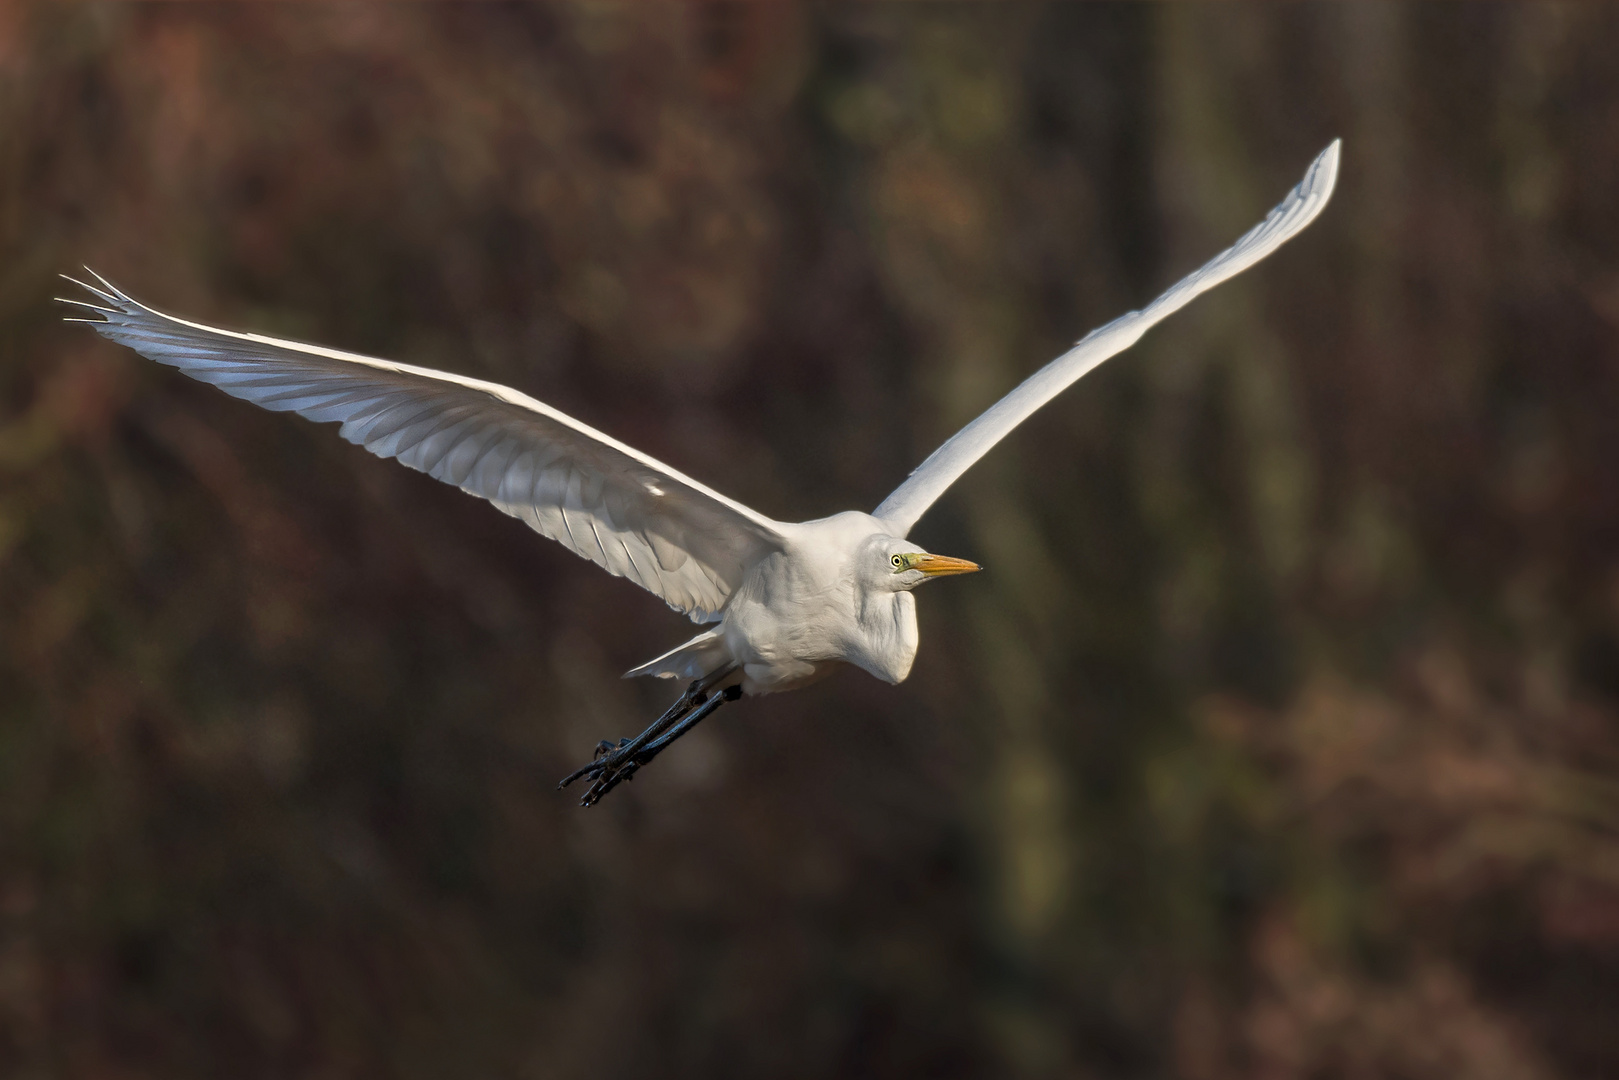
<point x="1280" y="741"/>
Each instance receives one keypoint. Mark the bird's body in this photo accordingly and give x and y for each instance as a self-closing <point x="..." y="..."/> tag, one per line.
<point x="828" y="597"/>
<point x="811" y="606"/>
<point x="791" y="601"/>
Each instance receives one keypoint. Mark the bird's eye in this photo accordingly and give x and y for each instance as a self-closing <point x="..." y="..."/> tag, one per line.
<point x="898" y="561"/>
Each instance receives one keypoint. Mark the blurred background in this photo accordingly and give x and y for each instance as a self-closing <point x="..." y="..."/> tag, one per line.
<point x="1281" y="739"/>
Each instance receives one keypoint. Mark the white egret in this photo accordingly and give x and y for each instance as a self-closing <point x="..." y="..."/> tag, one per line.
<point x="787" y="602"/>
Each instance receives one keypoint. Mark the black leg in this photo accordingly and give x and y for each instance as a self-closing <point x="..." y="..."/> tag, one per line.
<point x="609" y="754"/>
<point x="614" y="763"/>
<point x="606" y="782"/>
<point x="658" y="745"/>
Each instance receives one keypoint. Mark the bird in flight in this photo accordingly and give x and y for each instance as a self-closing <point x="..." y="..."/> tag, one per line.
<point x="785" y="603"/>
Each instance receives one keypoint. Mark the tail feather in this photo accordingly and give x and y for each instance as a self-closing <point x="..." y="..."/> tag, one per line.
<point x="702" y="654"/>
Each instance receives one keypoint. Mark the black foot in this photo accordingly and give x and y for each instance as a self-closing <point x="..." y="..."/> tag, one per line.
<point x="615" y="763"/>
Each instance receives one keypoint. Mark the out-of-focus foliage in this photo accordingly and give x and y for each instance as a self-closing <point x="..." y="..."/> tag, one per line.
<point x="1281" y="740"/>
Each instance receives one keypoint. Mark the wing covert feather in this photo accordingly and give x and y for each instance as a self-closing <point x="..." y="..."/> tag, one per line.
<point x="624" y="511"/>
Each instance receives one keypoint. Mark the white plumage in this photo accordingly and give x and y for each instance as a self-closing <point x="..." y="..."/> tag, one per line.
<point x="792" y="600"/>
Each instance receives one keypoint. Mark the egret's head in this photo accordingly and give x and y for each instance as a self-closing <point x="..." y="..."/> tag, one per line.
<point x="900" y="565"/>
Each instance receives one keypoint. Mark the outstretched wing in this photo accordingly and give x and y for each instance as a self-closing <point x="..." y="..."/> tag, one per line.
<point x="624" y="511"/>
<point x="930" y="479"/>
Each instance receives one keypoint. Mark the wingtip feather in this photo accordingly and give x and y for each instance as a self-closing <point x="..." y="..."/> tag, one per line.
<point x="84" y="304"/>
<point x="108" y="297"/>
<point x="115" y="290"/>
<point x="1322" y="178"/>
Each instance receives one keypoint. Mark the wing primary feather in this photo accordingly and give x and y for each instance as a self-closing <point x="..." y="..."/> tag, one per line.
<point x="117" y="293"/>
<point x="108" y="297"/>
<point x="84" y="304"/>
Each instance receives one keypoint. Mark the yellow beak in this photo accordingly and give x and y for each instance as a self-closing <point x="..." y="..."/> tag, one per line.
<point x="944" y="565"/>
